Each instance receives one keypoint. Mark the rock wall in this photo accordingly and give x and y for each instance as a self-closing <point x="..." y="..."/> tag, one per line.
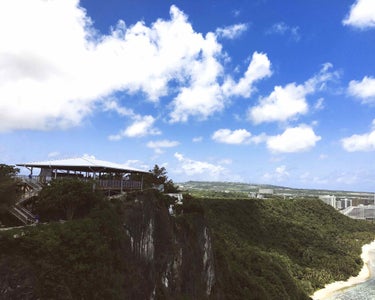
<point x="174" y="253"/>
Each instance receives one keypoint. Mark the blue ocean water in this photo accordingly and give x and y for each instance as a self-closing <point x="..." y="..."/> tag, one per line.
<point x="362" y="291"/>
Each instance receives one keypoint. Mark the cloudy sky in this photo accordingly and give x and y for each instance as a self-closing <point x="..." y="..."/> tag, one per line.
<point x="263" y="91"/>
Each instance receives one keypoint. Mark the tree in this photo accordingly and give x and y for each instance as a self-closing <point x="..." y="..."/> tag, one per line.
<point x="159" y="177"/>
<point x="9" y="189"/>
<point x="66" y="198"/>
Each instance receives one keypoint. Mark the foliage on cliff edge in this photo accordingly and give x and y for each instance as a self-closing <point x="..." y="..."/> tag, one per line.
<point x="283" y="249"/>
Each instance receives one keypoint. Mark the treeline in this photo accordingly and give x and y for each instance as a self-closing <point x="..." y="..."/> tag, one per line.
<point x="283" y="249"/>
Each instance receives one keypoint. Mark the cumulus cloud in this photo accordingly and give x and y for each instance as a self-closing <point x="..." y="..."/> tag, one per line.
<point x="205" y="95"/>
<point x="361" y="15"/>
<point x="192" y="167"/>
<point x="282" y="104"/>
<point x="55" y="68"/>
<point x="141" y="126"/>
<point x="158" y="146"/>
<point x="293" y="139"/>
<point x="359" y="142"/>
<point x="231" y="32"/>
<point x="227" y="136"/>
<point x="364" y="89"/>
<point x="259" y="68"/>
<point x="288" y="102"/>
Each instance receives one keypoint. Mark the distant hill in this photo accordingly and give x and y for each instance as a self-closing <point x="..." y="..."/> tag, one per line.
<point x="238" y="187"/>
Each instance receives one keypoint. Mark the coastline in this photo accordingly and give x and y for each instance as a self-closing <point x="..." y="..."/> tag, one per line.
<point x="366" y="272"/>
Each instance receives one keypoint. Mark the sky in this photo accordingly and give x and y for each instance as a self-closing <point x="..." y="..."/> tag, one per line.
<point x="261" y="91"/>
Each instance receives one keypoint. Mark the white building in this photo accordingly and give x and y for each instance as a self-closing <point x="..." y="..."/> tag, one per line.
<point x="328" y="199"/>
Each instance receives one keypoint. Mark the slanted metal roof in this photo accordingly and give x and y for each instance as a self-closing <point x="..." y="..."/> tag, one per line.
<point x="82" y="164"/>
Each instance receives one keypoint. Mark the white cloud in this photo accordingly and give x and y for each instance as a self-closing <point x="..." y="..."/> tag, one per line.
<point x="281" y="28"/>
<point x="227" y="136"/>
<point x="198" y="100"/>
<point x="55" y="68"/>
<point x="282" y="104"/>
<point x="206" y="96"/>
<point x="136" y="164"/>
<point x="360" y="142"/>
<point x="197" y="139"/>
<point x="294" y="139"/>
<point x="259" y="68"/>
<point x="142" y="126"/>
<point x="361" y="15"/>
<point x="279" y="174"/>
<point x="158" y="146"/>
<point x="364" y="90"/>
<point x="319" y="105"/>
<point x="112" y="105"/>
<point x="289" y="102"/>
<point x="231" y="32"/>
<point x="195" y="168"/>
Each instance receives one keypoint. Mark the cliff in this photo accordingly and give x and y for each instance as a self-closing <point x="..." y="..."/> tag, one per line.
<point x="132" y="248"/>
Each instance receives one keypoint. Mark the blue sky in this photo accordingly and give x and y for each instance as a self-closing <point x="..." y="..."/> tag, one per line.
<point x="278" y="92"/>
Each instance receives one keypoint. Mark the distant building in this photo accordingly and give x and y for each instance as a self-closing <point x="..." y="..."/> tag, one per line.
<point x="363" y="212"/>
<point x="343" y="203"/>
<point x="266" y="191"/>
<point x="330" y="200"/>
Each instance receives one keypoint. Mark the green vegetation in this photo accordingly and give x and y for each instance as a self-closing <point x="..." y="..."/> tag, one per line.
<point x="282" y="249"/>
<point x="158" y="176"/>
<point x="79" y="259"/>
<point x="9" y="188"/>
<point x="65" y="199"/>
<point x="263" y="249"/>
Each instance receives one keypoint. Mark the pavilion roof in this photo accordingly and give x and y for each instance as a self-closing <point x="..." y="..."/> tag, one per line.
<point x="82" y="164"/>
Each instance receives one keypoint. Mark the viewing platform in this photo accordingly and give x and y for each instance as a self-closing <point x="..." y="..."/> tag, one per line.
<point x="104" y="175"/>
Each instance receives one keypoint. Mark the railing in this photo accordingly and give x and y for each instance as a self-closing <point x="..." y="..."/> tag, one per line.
<point x="22" y="214"/>
<point x="36" y="182"/>
<point x="119" y="184"/>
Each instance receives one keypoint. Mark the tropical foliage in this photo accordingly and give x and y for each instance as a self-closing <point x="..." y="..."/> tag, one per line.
<point x="267" y="248"/>
<point x="66" y="199"/>
<point x="158" y="178"/>
<point x="9" y="189"/>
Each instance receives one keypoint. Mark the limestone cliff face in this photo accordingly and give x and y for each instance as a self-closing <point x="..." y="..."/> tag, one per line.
<point x="173" y="253"/>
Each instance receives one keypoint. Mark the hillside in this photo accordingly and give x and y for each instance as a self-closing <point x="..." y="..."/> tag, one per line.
<point x="132" y="248"/>
<point x="237" y="189"/>
<point x="261" y="244"/>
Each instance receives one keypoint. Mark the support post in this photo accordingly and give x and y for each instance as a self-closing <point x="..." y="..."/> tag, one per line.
<point x="122" y="183"/>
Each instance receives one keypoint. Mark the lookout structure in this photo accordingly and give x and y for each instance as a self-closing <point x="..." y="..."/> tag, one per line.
<point x="104" y="175"/>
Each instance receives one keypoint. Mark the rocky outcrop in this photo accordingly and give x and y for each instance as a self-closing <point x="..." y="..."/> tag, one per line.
<point x="173" y="252"/>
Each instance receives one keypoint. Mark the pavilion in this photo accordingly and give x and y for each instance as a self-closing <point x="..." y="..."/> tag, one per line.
<point x="105" y="175"/>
